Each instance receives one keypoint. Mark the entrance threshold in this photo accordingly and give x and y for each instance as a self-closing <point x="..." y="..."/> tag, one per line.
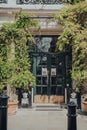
<point x="48" y="107"/>
<point x="49" y="104"/>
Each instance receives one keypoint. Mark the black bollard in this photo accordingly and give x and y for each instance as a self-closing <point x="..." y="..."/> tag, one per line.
<point x="30" y="97"/>
<point x="3" y="111"/>
<point x="30" y="101"/>
<point x="72" y="123"/>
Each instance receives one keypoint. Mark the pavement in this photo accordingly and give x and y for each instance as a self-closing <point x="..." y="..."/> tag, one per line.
<point x="31" y="119"/>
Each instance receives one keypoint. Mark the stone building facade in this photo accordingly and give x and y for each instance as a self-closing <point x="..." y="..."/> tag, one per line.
<point x="48" y="66"/>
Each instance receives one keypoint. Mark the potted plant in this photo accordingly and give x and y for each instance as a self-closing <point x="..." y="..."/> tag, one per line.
<point x="85" y="104"/>
<point x="14" y="57"/>
<point x="84" y="99"/>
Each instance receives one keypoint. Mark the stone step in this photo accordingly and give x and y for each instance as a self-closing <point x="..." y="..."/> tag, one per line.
<point x="48" y="107"/>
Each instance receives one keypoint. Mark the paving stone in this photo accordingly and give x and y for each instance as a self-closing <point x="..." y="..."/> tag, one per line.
<point x="29" y="119"/>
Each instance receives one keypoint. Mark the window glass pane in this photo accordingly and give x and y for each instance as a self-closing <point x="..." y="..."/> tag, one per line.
<point x="53" y="80"/>
<point x="44" y="60"/>
<point x="44" y="80"/>
<point x="38" y="90"/>
<point x="59" y="81"/>
<point x="53" y="61"/>
<point x="38" y="60"/>
<point x="43" y="43"/>
<point x="44" y="90"/>
<point x="38" y="80"/>
<point x="38" y="72"/>
<point x="59" y="91"/>
<point x="59" y="70"/>
<point x="53" y="90"/>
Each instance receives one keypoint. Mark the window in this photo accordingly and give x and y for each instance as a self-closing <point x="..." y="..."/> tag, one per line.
<point x="23" y="1"/>
<point x="26" y="1"/>
<point x="19" y="1"/>
<point x="3" y="1"/>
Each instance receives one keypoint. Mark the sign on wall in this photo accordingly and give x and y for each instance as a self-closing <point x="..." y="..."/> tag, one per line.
<point x="44" y="71"/>
<point x="53" y="71"/>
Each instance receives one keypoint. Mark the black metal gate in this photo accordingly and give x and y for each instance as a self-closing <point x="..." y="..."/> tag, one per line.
<point x="50" y="72"/>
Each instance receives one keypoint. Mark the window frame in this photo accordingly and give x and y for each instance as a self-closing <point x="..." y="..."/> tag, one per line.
<point x="3" y="1"/>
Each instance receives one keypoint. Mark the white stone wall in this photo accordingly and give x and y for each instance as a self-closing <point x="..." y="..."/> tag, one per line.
<point x="6" y="19"/>
<point x="12" y="4"/>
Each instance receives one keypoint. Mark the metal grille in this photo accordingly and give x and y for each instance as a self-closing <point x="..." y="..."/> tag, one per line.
<point x="3" y="1"/>
<point x="39" y="1"/>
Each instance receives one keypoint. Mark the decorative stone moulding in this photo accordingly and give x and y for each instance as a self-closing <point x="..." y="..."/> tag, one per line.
<point x="39" y="1"/>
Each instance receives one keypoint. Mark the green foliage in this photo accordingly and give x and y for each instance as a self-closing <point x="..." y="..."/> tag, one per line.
<point x="74" y="21"/>
<point x="14" y="56"/>
<point x="72" y="1"/>
<point x="24" y="21"/>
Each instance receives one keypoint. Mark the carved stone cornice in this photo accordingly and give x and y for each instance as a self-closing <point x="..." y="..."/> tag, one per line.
<point x="41" y="15"/>
<point x="47" y="31"/>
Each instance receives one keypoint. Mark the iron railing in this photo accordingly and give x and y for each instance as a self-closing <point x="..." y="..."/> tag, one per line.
<point x="39" y="1"/>
<point x="3" y="1"/>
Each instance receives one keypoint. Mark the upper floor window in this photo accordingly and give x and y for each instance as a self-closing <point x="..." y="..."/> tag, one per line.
<point x="38" y="1"/>
<point x="3" y="1"/>
<point x="23" y="1"/>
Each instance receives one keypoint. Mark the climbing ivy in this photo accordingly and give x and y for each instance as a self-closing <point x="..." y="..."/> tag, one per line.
<point x="73" y="18"/>
<point x="72" y="1"/>
<point x="14" y="53"/>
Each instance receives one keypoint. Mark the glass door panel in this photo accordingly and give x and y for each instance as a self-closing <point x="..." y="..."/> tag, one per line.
<point x="41" y="75"/>
<point x="50" y="74"/>
<point x="44" y="81"/>
<point x="44" y="90"/>
<point x="53" y="90"/>
<point x="53" y="81"/>
<point x="38" y="80"/>
<point x="38" y="90"/>
<point x="57" y="74"/>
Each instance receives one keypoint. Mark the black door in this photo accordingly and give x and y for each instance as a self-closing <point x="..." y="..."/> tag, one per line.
<point x="49" y="70"/>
